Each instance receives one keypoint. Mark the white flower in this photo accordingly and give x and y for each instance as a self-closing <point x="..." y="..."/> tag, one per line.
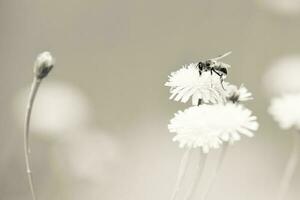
<point x="187" y="83"/>
<point x="43" y="64"/>
<point x="283" y="75"/>
<point x="285" y="110"/>
<point x="208" y="126"/>
<point x="235" y="94"/>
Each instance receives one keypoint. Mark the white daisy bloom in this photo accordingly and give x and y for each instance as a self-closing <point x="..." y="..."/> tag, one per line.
<point x="187" y="83"/>
<point x="235" y="94"/>
<point x="285" y="110"/>
<point x="208" y="126"/>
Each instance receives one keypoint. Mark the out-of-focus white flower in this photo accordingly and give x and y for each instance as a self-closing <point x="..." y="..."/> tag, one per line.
<point x="91" y="154"/>
<point x="207" y="126"/>
<point x="285" y="110"/>
<point x="186" y="83"/>
<point x="43" y="64"/>
<point x="235" y="94"/>
<point x="59" y="108"/>
<point x="285" y="7"/>
<point x="283" y="76"/>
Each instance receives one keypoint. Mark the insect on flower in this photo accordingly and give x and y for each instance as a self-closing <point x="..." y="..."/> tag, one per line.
<point x="214" y="65"/>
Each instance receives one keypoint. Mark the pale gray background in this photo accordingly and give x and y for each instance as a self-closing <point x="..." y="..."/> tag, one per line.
<point x="119" y="53"/>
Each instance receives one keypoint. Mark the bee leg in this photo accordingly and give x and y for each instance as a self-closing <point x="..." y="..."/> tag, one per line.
<point x="211" y="73"/>
<point x="199" y="102"/>
<point x="213" y="70"/>
<point x="221" y="78"/>
<point x="200" y="68"/>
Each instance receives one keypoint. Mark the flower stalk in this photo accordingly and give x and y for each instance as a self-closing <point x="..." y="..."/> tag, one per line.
<point x="290" y="168"/>
<point x="198" y="176"/>
<point x="215" y="174"/>
<point x="43" y="65"/>
<point x="181" y="173"/>
<point x="34" y="88"/>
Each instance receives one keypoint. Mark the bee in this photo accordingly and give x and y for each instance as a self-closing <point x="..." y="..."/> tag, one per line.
<point x="215" y="66"/>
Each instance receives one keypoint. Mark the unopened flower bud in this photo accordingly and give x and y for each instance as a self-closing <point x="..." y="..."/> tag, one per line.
<point x="236" y="95"/>
<point x="43" y="65"/>
<point x="233" y="93"/>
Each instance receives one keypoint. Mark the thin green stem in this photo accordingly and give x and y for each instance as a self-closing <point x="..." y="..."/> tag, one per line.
<point x="197" y="178"/>
<point x="215" y="174"/>
<point x="181" y="173"/>
<point x="290" y="168"/>
<point x="34" y="88"/>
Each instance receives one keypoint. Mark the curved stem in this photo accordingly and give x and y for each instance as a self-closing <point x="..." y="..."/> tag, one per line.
<point x="34" y="88"/>
<point x="214" y="176"/>
<point x="290" y="168"/>
<point x="198" y="176"/>
<point x="181" y="173"/>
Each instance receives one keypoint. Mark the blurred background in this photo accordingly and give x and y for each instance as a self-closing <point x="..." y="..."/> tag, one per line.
<point x="99" y="128"/>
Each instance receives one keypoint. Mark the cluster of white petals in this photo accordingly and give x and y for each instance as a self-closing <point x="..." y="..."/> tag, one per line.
<point x="208" y="126"/>
<point x="187" y="83"/>
<point x="285" y="110"/>
<point x="235" y="94"/>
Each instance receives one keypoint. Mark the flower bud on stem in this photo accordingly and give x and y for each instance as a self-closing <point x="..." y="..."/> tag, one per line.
<point x="43" y="65"/>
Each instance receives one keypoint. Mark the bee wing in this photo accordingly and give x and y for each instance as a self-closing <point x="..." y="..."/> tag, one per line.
<point x="222" y="56"/>
<point x="226" y="65"/>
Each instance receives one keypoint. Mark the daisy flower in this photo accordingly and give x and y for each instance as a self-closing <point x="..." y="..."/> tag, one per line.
<point x="235" y="94"/>
<point x="285" y="110"/>
<point x="186" y="83"/>
<point x="208" y="126"/>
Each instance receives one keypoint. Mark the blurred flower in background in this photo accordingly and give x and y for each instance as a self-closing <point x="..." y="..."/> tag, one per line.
<point x="59" y="108"/>
<point x="283" y="76"/>
<point x="90" y="154"/>
<point x="82" y="156"/>
<point x="282" y="80"/>
<point x="283" y="7"/>
<point x="85" y="163"/>
<point x="285" y="110"/>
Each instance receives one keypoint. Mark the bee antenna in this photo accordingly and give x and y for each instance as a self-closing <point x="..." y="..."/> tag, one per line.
<point x="222" y="56"/>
